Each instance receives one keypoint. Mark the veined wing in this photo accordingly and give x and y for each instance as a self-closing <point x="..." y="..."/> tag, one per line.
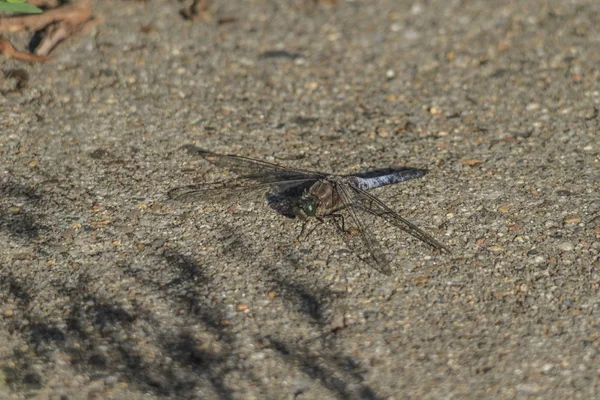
<point x="368" y="244"/>
<point x="257" y="170"/>
<point x="373" y="205"/>
<point x="234" y="188"/>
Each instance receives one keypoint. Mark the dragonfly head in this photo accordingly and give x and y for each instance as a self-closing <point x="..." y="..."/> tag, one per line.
<point x="306" y="207"/>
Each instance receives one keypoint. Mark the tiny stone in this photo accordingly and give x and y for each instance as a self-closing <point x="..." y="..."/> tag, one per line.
<point x="15" y="210"/>
<point x="504" y="209"/>
<point x="528" y="388"/>
<point x="257" y="356"/>
<point x="547" y="367"/>
<point x="572" y="220"/>
<point x="566" y="246"/>
<point x="496" y="249"/>
<point x="539" y="259"/>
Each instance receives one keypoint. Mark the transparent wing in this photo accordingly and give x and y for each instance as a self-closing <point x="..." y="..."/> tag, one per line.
<point x="368" y="244"/>
<point x="253" y="175"/>
<point x="371" y="204"/>
<point x="256" y="170"/>
<point x="231" y="189"/>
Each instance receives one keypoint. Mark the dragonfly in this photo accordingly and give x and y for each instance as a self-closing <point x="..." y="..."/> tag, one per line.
<point x="307" y="195"/>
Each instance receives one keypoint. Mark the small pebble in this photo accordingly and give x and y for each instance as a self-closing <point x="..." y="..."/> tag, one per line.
<point x="539" y="259"/>
<point x="572" y="220"/>
<point x="496" y="249"/>
<point x="528" y="388"/>
<point x="566" y="246"/>
<point x="257" y="356"/>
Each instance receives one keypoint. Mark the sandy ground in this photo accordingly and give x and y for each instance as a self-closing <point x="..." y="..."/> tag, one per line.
<point x="110" y="290"/>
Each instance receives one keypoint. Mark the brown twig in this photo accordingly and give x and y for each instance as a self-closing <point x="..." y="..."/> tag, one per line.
<point x="73" y="11"/>
<point x="8" y="50"/>
<point x="59" y="23"/>
<point x="59" y="31"/>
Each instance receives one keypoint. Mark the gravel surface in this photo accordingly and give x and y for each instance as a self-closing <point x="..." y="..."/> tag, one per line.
<point x="110" y="290"/>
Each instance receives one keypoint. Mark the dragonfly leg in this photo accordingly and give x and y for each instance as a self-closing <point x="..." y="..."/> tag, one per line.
<point x="299" y="238"/>
<point x="337" y="218"/>
<point x="319" y="223"/>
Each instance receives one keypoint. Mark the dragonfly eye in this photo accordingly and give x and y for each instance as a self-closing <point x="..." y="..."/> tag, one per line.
<point x="309" y="207"/>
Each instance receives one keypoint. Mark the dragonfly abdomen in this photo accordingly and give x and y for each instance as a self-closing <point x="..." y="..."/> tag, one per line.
<point x="388" y="179"/>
